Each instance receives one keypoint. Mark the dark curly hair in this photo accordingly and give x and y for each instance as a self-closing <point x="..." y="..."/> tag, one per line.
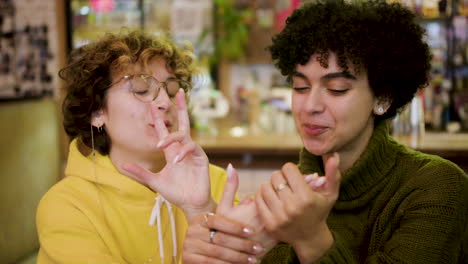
<point x="382" y="39"/>
<point x="91" y="67"/>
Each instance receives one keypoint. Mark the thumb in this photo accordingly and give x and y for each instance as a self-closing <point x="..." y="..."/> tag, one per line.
<point x="333" y="175"/>
<point x="230" y="189"/>
<point x="141" y="175"/>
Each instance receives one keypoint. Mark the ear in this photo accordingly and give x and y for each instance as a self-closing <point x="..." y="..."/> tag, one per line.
<point x="381" y="105"/>
<point x="97" y="119"/>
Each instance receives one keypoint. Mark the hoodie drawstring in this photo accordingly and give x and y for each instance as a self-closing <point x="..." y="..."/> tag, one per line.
<point x="156" y="216"/>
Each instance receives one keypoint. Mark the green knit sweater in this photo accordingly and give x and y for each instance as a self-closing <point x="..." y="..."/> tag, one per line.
<point x="396" y="205"/>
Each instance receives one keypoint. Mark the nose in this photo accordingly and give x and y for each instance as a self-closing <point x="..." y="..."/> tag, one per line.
<point x="162" y="101"/>
<point x="314" y="103"/>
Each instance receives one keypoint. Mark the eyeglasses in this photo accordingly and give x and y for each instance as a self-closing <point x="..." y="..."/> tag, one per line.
<point x="146" y="88"/>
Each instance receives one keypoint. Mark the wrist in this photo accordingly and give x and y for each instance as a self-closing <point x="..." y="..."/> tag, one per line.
<point x="191" y="212"/>
<point x="311" y="250"/>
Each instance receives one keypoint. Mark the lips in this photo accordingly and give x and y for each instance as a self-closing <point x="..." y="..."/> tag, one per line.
<point x="314" y="130"/>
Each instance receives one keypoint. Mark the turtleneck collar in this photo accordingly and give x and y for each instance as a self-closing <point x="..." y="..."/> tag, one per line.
<point x="368" y="171"/>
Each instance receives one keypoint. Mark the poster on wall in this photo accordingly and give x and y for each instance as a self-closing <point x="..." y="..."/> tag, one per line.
<point x="26" y="58"/>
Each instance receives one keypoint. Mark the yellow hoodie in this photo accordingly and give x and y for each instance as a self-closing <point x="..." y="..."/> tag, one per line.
<point x="98" y="215"/>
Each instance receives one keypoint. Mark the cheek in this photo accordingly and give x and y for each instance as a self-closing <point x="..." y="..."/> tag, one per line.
<point x="296" y="110"/>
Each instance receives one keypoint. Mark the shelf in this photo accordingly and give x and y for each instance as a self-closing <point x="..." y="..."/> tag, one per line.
<point x="273" y="150"/>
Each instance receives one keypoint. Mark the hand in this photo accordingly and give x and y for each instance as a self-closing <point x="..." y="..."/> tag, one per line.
<point x="297" y="214"/>
<point x="232" y="241"/>
<point x="244" y="213"/>
<point x="184" y="180"/>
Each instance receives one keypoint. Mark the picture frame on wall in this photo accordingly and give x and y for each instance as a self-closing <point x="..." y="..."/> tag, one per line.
<point x="25" y="54"/>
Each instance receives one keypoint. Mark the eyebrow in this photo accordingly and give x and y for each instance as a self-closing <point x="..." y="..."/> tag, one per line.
<point x="329" y="76"/>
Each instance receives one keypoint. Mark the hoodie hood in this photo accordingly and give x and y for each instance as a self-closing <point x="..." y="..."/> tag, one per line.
<point x="100" y="170"/>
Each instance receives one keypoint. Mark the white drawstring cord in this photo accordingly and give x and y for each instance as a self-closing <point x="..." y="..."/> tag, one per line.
<point x="156" y="216"/>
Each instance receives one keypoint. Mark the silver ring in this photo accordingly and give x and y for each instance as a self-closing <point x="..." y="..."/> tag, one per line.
<point x="212" y="234"/>
<point x="281" y="186"/>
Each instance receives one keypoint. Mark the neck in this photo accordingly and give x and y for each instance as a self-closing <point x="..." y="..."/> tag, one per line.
<point x="351" y="153"/>
<point x="153" y="162"/>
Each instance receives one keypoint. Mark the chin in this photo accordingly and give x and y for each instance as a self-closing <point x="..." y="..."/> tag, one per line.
<point x="316" y="149"/>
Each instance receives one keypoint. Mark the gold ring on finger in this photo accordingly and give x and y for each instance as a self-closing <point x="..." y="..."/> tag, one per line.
<point x="281" y="186"/>
<point x="206" y="217"/>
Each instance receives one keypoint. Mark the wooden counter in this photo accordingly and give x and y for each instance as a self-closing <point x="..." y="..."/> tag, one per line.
<point x="273" y="150"/>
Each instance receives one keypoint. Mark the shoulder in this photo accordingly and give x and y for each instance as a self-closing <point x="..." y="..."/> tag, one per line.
<point x="427" y="166"/>
<point x="432" y="177"/>
<point x="66" y="201"/>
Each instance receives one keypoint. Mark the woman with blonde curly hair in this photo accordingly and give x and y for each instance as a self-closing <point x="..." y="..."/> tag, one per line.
<point x="134" y="177"/>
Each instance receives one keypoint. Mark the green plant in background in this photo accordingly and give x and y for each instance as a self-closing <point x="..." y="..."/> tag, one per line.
<point x="231" y="31"/>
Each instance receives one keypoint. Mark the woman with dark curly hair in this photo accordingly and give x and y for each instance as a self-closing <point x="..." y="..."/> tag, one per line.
<point x="353" y="65"/>
<point x="131" y="158"/>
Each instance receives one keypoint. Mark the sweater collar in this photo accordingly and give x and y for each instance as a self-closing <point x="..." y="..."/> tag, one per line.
<point x="369" y="170"/>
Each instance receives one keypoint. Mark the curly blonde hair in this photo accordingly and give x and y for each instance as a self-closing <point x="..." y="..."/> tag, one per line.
<point x="88" y="75"/>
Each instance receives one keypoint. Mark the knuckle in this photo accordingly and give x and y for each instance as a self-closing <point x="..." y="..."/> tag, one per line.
<point x="284" y="221"/>
<point x="191" y="232"/>
<point x="186" y="257"/>
<point x="191" y="145"/>
<point x="220" y="239"/>
<point x="217" y="252"/>
<point x="292" y="210"/>
<point x="248" y="246"/>
<point x="238" y="258"/>
<point x="287" y="166"/>
<point x="276" y="174"/>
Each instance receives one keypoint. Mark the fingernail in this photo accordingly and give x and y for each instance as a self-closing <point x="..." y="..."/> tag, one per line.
<point x="181" y="90"/>
<point x="247" y="230"/>
<point x="310" y="177"/>
<point x="229" y="170"/>
<point x="319" y="182"/>
<point x="160" y="143"/>
<point x="176" y="159"/>
<point x="258" y="248"/>
<point x="252" y="259"/>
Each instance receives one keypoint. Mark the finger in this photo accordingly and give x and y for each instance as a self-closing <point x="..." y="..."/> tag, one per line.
<point x="263" y="210"/>
<point x="314" y="181"/>
<point x="247" y="200"/>
<point x="311" y="177"/>
<point x="294" y="178"/>
<point x="239" y="244"/>
<point x="158" y="121"/>
<point x="182" y="113"/>
<point x="280" y="185"/>
<point x="141" y="175"/>
<point x="274" y="203"/>
<point x="230" y="189"/>
<point x="186" y="150"/>
<point x="177" y="136"/>
<point x="333" y="176"/>
<point x="211" y="251"/>
<point x="227" y="226"/>
<point x="192" y="258"/>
